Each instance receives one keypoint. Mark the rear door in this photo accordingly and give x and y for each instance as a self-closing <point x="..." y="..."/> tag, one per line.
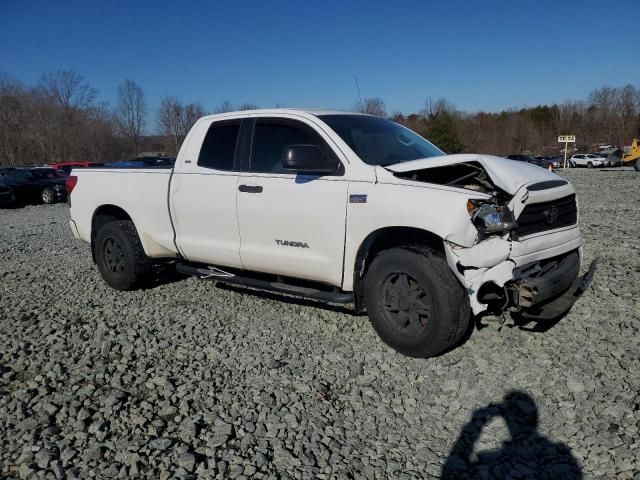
<point x="203" y="195"/>
<point x="291" y="224"/>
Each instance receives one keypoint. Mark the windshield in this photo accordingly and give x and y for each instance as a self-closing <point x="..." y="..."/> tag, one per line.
<point x="378" y="141"/>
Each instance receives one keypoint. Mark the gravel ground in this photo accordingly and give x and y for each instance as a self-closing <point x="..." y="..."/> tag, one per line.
<point x="188" y="380"/>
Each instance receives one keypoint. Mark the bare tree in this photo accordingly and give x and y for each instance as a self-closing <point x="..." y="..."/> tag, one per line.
<point x="371" y="106"/>
<point x="12" y="119"/>
<point x="169" y="121"/>
<point x="131" y="111"/>
<point x="629" y="110"/>
<point x="434" y="107"/>
<point x="247" y="106"/>
<point x="192" y="112"/>
<point x="68" y="89"/>
<point x="174" y="120"/>
<point x="224" y="107"/>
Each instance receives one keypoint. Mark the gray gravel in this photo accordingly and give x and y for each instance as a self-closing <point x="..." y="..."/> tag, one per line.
<point x="188" y="380"/>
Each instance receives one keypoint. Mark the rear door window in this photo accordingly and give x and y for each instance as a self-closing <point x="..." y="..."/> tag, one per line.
<point x="219" y="146"/>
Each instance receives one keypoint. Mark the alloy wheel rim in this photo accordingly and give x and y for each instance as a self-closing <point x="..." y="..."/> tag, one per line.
<point x="114" y="255"/>
<point x="47" y="196"/>
<point x="406" y="305"/>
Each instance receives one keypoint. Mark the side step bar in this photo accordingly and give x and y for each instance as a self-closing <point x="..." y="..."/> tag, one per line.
<point x="275" y="287"/>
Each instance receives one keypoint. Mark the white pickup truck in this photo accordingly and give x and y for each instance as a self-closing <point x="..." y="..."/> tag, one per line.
<point x="342" y="208"/>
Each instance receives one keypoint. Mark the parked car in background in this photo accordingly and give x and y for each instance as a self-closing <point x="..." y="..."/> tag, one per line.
<point x="528" y="159"/>
<point x="556" y="161"/>
<point x="6" y="194"/>
<point x="36" y="185"/>
<point x="68" y="166"/>
<point x="544" y="161"/>
<point x="522" y="158"/>
<point x="145" y="162"/>
<point x="603" y="155"/>
<point x="603" y="147"/>
<point x="614" y="159"/>
<point x="589" y="160"/>
<point x="4" y="170"/>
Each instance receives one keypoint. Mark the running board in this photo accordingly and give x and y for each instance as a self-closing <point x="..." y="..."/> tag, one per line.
<point x="275" y="287"/>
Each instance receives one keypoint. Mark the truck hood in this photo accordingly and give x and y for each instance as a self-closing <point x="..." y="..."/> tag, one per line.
<point x="508" y="175"/>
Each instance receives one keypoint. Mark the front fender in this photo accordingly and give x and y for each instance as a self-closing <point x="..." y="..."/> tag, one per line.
<point x="439" y="211"/>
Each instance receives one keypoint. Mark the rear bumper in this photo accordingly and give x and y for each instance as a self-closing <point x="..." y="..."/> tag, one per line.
<point x="60" y="195"/>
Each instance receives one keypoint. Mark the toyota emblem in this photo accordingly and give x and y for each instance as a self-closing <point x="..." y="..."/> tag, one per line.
<point x="551" y="215"/>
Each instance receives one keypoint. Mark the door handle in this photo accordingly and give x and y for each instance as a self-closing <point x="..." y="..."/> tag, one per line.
<point x="250" y="188"/>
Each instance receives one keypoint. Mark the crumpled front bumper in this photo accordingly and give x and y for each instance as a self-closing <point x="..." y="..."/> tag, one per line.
<point x="520" y="274"/>
<point x="538" y="282"/>
<point x="557" y="304"/>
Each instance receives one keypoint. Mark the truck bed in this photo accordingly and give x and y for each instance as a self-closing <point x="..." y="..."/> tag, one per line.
<point x="141" y="192"/>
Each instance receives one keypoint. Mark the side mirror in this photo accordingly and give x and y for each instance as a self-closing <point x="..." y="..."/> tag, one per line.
<point x="306" y="159"/>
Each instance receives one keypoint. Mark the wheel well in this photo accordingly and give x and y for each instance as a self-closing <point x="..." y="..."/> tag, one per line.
<point x="103" y="215"/>
<point x="384" y="239"/>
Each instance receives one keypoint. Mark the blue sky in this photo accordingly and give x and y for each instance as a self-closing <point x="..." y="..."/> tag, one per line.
<point x="479" y="55"/>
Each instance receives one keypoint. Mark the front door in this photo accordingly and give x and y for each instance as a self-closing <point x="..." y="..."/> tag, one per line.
<point x="204" y="196"/>
<point x="291" y="224"/>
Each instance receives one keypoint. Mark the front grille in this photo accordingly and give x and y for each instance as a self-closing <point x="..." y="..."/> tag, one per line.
<point x="540" y="217"/>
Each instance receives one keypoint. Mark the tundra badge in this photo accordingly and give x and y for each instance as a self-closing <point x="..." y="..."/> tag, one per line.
<point x="287" y="243"/>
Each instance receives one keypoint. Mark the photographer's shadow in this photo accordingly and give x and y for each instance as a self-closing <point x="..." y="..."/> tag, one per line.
<point x="527" y="454"/>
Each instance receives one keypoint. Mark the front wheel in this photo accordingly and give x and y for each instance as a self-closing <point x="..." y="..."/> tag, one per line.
<point x="589" y="165"/>
<point x="120" y="256"/>
<point x="414" y="302"/>
<point x="47" y="196"/>
<point x="637" y="165"/>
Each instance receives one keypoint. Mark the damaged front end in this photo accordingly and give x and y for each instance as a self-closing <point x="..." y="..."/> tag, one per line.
<point x="531" y="269"/>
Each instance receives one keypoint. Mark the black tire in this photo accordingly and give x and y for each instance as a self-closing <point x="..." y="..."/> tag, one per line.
<point x="120" y="256"/>
<point x="432" y="315"/>
<point x="589" y="165"/>
<point x="47" y="196"/>
<point x="637" y="165"/>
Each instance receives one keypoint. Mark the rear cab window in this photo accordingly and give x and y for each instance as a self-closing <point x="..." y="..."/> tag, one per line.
<point x="219" y="145"/>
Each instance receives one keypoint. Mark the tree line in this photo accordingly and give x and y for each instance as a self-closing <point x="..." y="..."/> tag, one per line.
<point x="608" y="116"/>
<point x="60" y="119"/>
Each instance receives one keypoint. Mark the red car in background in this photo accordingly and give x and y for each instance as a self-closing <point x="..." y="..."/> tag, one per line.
<point x="66" y="167"/>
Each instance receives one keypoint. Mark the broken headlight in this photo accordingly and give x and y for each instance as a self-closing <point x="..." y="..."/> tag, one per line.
<point x="491" y="218"/>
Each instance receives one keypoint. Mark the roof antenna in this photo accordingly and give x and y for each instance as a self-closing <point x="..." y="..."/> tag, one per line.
<point x="359" y="96"/>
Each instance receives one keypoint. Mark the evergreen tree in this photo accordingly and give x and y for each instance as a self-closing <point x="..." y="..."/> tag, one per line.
<point x="442" y="132"/>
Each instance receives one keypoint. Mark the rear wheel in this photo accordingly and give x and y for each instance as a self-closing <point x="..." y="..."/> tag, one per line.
<point x="414" y="302"/>
<point x="47" y="196"/>
<point x="120" y="256"/>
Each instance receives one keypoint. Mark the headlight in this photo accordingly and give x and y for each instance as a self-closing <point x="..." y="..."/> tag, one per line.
<point x="491" y="218"/>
